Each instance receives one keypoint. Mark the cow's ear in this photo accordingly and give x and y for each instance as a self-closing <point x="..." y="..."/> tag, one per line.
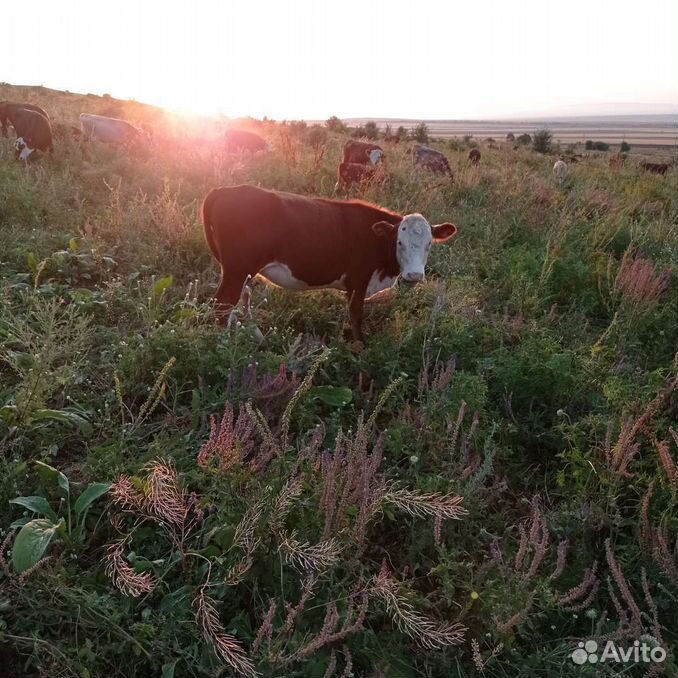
<point x="443" y="232"/>
<point x="383" y="228"/>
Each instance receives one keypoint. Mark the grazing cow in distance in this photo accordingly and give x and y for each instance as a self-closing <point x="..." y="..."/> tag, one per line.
<point x="362" y="153"/>
<point x="240" y="140"/>
<point x="33" y="132"/>
<point x="474" y="156"/>
<point x="353" y="173"/>
<point x="432" y="160"/>
<point x="304" y="243"/>
<point x="7" y="110"/>
<point x="655" y="167"/>
<point x="110" y="130"/>
<point x="560" y="170"/>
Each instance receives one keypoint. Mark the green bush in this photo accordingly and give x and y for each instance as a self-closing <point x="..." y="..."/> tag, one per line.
<point x="541" y="141"/>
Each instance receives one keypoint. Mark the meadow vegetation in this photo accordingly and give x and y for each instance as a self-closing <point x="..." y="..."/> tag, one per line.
<point x="491" y="480"/>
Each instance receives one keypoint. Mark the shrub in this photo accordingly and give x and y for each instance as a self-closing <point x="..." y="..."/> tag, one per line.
<point x="402" y="134"/>
<point x="420" y="133"/>
<point x="371" y="130"/>
<point x="334" y="124"/>
<point x="524" y="140"/>
<point x="541" y="142"/>
<point x="624" y="147"/>
<point x="510" y="136"/>
<point x="596" y="145"/>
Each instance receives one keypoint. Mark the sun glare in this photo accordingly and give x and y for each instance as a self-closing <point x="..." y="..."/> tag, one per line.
<point x="306" y="59"/>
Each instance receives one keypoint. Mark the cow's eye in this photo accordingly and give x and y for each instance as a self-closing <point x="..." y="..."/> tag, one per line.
<point x="400" y="243"/>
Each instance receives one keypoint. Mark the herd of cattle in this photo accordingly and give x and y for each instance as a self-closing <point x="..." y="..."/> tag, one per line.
<point x="362" y="162"/>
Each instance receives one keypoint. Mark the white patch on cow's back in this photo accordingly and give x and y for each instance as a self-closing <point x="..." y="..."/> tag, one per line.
<point x="281" y="275"/>
<point x="378" y="284"/>
<point x="375" y="156"/>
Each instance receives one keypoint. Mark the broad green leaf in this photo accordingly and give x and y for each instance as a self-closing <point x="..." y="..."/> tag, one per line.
<point x="73" y="245"/>
<point x="32" y="263"/>
<point x="66" y="416"/>
<point x="32" y="542"/>
<point x="336" y="396"/>
<point x="89" y="495"/>
<point x="51" y="474"/>
<point x="168" y="669"/>
<point x="162" y="284"/>
<point x="36" y="504"/>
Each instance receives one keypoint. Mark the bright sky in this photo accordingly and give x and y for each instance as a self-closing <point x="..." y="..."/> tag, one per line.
<point x="314" y="58"/>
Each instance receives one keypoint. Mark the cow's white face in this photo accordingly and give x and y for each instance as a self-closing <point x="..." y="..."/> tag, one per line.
<point x="22" y="149"/>
<point x="414" y="237"/>
<point x="375" y="156"/>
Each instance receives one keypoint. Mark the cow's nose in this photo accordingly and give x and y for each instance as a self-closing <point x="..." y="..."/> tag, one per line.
<point x="413" y="277"/>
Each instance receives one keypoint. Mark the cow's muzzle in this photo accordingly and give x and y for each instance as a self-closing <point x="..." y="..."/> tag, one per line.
<point x="413" y="277"/>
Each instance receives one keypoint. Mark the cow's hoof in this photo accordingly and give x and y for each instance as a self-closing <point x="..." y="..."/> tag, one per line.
<point x="357" y="347"/>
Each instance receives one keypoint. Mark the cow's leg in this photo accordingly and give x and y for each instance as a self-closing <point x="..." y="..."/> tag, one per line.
<point x="355" y="312"/>
<point x="228" y="294"/>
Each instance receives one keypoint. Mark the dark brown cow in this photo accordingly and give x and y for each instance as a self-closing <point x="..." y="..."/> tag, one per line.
<point x="240" y="140"/>
<point x="353" y="173"/>
<point x="474" y="156"/>
<point x="363" y="153"/>
<point x="7" y="110"/>
<point x="430" y="159"/>
<point x="303" y="243"/>
<point x="655" y="167"/>
<point x="33" y="132"/>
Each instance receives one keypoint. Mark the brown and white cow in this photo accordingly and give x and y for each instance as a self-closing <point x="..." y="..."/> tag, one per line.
<point x="110" y="130"/>
<point x="242" y="141"/>
<point x="304" y="243"/>
<point x="362" y="153"/>
<point x="33" y="133"/>
<point x="430" y="159"/>
<point x="7" y="110"/>
<point x="474" y="156"/>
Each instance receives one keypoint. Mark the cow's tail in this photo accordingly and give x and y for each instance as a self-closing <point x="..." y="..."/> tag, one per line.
<point x="207" y="221"/>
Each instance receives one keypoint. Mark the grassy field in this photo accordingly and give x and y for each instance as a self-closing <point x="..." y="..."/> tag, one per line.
<point x="179" y="500"/>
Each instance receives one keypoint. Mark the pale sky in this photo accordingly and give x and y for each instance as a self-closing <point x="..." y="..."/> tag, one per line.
<point x="313" y="58"/>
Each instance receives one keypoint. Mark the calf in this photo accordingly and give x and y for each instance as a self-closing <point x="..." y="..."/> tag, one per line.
<point x="240" y="140"/>
<point x="432" y="160"/>
<point x="560" y="170"/>
<point x="303" y="243"/>
<point x="353" y="173"/>
<point x="110" y="130"/>
<point x="655" y="167"/>
<point x="474" y="156"/>
<point x="33" y="132"/>
<point x="8" y="109"/>
<point x="362" y="153"/>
